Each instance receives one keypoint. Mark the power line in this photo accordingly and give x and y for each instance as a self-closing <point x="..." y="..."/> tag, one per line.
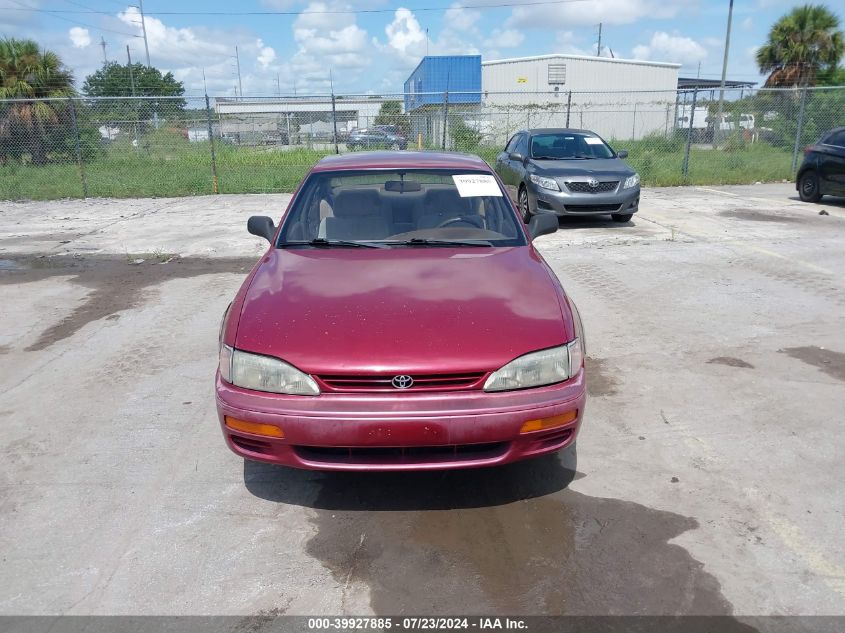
<point x="492" y="5"/>
<point x="59" y="17"/>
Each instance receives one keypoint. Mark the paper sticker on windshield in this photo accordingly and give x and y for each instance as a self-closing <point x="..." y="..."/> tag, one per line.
<point x="473" y="185"/>
<point x="592" y="140"/>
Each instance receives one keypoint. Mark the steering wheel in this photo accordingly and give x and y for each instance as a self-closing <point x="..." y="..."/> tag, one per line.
<point x="459" y="220"/>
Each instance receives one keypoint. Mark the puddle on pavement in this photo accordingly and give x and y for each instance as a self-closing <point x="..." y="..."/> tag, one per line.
<point x="510" y="540"/>
<point x="600" y="381"/>
<point x="730" y="361"/>
<point x="830" y="362"/>
<point x="752" y="215"/>
<point x="116" y="284"/>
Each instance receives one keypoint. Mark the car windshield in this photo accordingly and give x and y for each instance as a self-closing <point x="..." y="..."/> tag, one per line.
<point x="408" y="209"/>
<point x="574" y="145"/>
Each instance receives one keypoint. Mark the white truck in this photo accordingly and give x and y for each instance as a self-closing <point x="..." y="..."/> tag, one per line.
<point x="695" y="121"/>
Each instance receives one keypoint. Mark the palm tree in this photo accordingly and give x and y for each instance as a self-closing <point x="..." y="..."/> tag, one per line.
<point x="27" y="72"/>
<point x="800" y="44"/>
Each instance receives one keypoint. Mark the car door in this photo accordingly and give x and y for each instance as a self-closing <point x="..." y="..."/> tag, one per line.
<point x="832" y="163"/>
<point x="518" y="166"/>
<point x="503" y="160"/>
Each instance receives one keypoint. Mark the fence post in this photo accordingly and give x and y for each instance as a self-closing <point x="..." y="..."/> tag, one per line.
<point x="334" y="125"/>
<point x="78" y="142"/>
<point x="568" y="107"/>
<point x="214" y="185"/>
<point x="634" y="124"/>
<point x="445" y="116"/>
<point x="800" y="127"/>
<point x="685" y="168"/>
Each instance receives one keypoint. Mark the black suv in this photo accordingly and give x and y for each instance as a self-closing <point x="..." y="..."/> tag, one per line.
<point x="822" y="171"/>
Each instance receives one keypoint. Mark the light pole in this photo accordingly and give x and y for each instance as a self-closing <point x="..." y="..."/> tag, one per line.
<point x="718" y="129"/>
<point x="144" y="31"/>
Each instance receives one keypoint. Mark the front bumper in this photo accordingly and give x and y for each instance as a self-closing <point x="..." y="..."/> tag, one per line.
<point x="622" y="201"/>
<point x="407" y="431"/>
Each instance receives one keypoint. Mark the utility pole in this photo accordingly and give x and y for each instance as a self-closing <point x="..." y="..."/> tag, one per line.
<point x="204" y="85"/>
<point x="103" y="45"/>
<point x="718" y="129"/>
<point x="598" y="47"/>
<point x="240" y="85"/>
<point x="144" y="31"/>
<point x="278" y="86"/>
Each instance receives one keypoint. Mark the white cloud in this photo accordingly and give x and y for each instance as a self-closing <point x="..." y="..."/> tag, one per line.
<point x="591" y="13"/>
<point x="328" y="41"/>
<point x="177" y="45"/>
<point x="266" y="54"/>
<point x="671" y="48"/>
<point x="747" y="23"/>
<point x="405" y="36"/>
<point x="79" y="37"/>
<point x="508" y="38"/>
<point x="460" y="18"/>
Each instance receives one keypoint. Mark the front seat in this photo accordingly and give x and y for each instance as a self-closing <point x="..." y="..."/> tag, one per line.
<point x="358" y="215"/>
<point x="440" y="205"/>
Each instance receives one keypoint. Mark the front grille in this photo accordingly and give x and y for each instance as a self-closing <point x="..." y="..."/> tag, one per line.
<point x="401" y="455"/>
<point x="593" y="208"/>
<point x="422" y="382"/>
<point x="584" y="187"/>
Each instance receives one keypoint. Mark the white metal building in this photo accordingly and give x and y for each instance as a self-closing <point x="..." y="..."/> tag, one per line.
<point x="617" y="98"/>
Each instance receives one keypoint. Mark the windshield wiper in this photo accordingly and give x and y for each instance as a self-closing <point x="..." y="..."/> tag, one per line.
<point x="424" y="241"/>
<point x="323" y="242"/>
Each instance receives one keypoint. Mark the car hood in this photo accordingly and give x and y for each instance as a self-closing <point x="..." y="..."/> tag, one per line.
<point x="401" y="310"/>
<point x="581" y="168"/>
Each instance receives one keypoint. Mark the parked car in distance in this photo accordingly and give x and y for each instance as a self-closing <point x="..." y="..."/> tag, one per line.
<point x="568" y="172"/>
<point x="401" y="319"/>
<point x="822" y="172"/>
<point x="374" y="138"/>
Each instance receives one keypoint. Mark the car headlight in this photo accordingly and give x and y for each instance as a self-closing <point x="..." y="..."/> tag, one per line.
<point x="545" y="183"/>
<point x="263" y="373"/>
<point x="536" y="369"/>
<point x="631" y="181"/>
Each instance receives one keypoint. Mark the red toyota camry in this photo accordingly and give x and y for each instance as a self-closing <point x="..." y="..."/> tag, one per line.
<point x="400" y="320"/>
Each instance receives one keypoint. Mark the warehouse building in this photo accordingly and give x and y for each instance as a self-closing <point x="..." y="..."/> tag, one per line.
<point x="617" y="98"/>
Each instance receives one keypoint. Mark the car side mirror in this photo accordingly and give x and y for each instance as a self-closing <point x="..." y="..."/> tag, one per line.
<point x="542" y="224"/>
<point x="516" y="156"/>
<point x="622" y="153"/>
<point x="262" y="226"/>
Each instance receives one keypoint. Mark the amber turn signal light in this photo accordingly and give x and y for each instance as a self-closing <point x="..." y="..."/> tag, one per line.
<point x="549" y="423"/>
<point x="255" y="428"/>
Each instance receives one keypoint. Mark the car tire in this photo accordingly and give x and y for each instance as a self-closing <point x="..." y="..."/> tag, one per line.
<point x="808" y="187"/>
<point x="621" y="217"/>
<point x="395" y="147"/>
<point x="524" y="205"/>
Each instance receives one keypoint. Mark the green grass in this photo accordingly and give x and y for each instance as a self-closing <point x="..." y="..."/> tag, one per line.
<point x="168" y="165"/>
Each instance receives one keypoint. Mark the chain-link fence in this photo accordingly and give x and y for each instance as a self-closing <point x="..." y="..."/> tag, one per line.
<point x="149" y="146"/>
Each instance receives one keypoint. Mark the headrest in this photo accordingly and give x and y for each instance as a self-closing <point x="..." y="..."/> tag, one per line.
<point x="357" y="203"/>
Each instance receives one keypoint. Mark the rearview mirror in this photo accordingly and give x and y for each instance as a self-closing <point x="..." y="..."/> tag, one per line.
<point x="402" y="186"/>
<point x="622" y="153"/>
<point x="262" y="226"/>
<point x="542" y="224"/>
<point x="516" y="156"/>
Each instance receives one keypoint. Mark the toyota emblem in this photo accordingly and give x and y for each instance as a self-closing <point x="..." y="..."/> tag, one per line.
<point x="402" y="382"/>
<point x="593" y="183"/>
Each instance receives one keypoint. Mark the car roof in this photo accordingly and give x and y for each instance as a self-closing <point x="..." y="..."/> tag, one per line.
<point x="557" y="130"/>
<point x="401" y="160"/>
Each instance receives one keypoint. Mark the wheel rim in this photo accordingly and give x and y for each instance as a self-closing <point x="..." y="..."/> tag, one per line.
<point x="523" y="203"/>
<point x="808" y="186"/>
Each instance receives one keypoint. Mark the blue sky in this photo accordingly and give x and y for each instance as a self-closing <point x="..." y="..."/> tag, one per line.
<point x="374" y="51"/>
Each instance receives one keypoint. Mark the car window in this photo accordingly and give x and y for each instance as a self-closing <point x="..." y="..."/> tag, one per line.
<point x="511" y="146"/>
<point x="837" y="139"/>
<point x="522" y="144"/>
<point x="391" y="208"/>
<point x="571" y="145"/>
